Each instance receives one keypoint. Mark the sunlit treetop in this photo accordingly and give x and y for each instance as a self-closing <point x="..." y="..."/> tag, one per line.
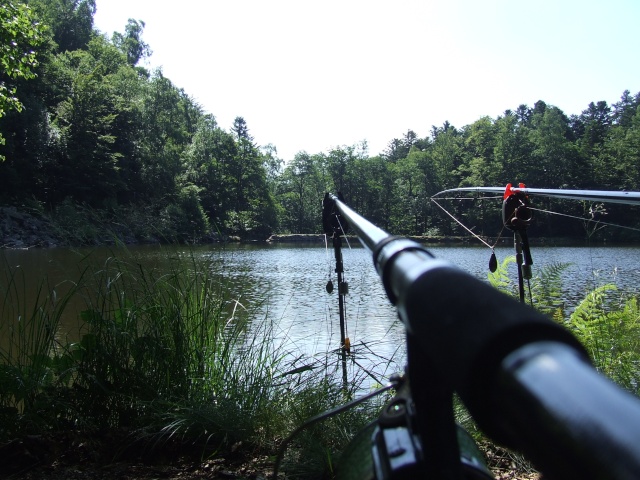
<point x="20" y="34"/>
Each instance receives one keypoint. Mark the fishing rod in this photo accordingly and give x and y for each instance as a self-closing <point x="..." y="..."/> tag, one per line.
<point x="526" y="380"/>
<point x="627" y="198"/>
<point x="517" y="216"/>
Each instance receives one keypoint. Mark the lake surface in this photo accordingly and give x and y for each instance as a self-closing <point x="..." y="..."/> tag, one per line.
<point x="286" y="285"/>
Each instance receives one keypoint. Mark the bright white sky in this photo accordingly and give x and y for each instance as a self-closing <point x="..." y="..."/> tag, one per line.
<point x="311" y="75"/>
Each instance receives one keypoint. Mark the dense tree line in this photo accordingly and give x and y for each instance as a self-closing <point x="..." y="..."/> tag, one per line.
<point x="541" y="146"/>
<point x="94" y="127"/>
<point x="100" y="130"/>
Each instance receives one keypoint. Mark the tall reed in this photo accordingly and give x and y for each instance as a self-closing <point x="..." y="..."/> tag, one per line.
<point x="171" y="346"/>
<point x="171" y="355"/>
<point x="28" y="369"/>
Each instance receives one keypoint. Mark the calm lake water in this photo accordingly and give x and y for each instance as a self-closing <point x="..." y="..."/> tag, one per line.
<point x="286" y="284"/>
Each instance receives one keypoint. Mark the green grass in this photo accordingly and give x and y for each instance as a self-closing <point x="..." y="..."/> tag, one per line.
<point x="170" y="357"/>
<point x="28" y="367"/>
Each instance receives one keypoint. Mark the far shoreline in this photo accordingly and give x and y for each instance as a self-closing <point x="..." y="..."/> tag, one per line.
<point x="21" y="230"/>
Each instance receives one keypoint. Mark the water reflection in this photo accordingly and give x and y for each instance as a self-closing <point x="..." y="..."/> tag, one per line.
<point x="289" y="284"/>
<point x="285" y="285"/>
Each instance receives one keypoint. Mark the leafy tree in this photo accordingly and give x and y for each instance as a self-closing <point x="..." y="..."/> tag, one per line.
<point x="131" y="42"/>
<point x="552" y="163"/>
<point x="339" y="162"/>
<point x="87" y="164"/>
<point x="523" y="113"/>
<point x="446" y="154"/>
<point x="243" y="163"/>
<point x="619" y="167"/>
<point x="625" y="109"/>
<point x="512" y="147"/>
<point x="129" y="87"/>
<point x="271" y="162"/>
<point x="206" y="163"/>
<point x="20" y="34"/>
<point x="592" y="128"/>
<point x="301" y="188"/>
<point x="254" y="212"/>
<point x="376" y="174"/>
<point x="399" y="148"/>
<point x="480" y="166"/>
<point x="407" y="189"/>
<point x="71" y="21"/>
<point x="185" y="220"/>
<point x="169" y="118"/>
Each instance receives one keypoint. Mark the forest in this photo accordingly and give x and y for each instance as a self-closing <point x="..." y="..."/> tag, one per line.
<point x="85" y="127"/>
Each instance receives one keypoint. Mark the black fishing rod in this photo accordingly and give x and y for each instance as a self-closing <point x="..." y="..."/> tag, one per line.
<point x="526" y="380"/>
<point x="626" y="198"/>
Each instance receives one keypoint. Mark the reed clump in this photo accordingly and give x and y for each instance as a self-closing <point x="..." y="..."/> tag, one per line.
<point x="169" y="357"/>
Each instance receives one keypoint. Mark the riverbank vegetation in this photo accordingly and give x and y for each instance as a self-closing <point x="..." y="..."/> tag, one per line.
<point x="606" y="321"/>
<point x="168" y="365"/>
<point x="165" y="364"/>
<point x="94" y="130"/>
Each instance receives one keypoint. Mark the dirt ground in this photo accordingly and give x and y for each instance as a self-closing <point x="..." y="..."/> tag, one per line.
<point x="76" y="458"/>
<point x="70" y="456"/>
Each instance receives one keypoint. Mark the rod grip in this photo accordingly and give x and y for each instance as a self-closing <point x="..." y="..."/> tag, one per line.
<point x="465" y="326"/>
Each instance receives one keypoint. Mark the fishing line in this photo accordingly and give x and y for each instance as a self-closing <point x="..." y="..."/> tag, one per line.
<point x="469" y="198"/>
<point x="343" y="231"/>
<point x="468" y="229"/>
<point x="585" y="219"/>
<point x="395" y="382"/>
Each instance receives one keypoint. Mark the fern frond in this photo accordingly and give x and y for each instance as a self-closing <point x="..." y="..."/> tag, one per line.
<point x="500" y="278"/>
<point x="546" y="289"/>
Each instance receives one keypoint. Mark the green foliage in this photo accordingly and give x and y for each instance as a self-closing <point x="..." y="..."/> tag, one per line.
<point x="166" y="355"/>
<point x="611" y="333"/>
<point x="70" y="21"/>
<point x="155" y="339"/>
<point x="20" y="35"/>
<point x="131" y="42"/>
<point x="29" y="372"/>
<point x="185" y="220"/>
<point x="501" y="279"/>
<point x="608" y="327"/>
<point x="76" y="223"/>
<point x="544" y="290"/>
<point x="101" y="130"/>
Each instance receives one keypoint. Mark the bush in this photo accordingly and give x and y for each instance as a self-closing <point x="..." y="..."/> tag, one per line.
<point x="185" y="221"/>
